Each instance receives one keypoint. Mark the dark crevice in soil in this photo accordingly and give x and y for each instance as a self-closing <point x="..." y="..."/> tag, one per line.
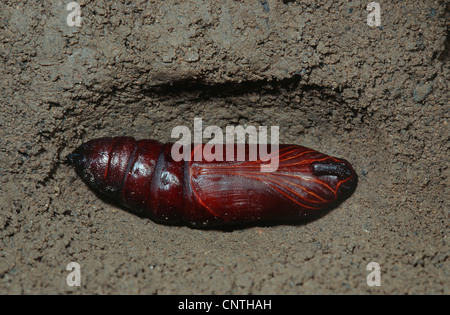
<point x="445" y="54"/>
<point x="232" y="89"/>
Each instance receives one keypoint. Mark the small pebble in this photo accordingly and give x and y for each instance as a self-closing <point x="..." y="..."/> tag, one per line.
<point x="421" y="91"/>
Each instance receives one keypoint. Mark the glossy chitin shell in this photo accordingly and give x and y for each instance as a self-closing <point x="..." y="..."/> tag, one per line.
<point x="142" y="176"/>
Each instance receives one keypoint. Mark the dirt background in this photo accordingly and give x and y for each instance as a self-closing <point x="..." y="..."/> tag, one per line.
<point x="376" y="96"/>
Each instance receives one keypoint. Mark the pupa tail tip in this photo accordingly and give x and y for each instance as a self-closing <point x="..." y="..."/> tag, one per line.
<point x="70" y="158"/>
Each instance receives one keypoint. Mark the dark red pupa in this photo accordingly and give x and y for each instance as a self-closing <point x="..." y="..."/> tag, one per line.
<point x="142" y="176"/>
